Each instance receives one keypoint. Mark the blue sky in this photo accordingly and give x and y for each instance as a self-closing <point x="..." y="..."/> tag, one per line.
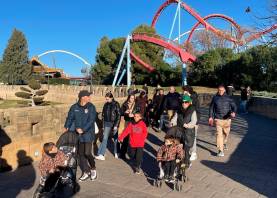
<point x="77" y="26"/>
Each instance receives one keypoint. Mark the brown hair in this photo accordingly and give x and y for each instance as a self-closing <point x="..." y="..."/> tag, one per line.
<point x="48" y="147"/>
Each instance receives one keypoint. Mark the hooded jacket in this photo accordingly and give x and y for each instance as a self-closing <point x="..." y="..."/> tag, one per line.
<point x="138" y="134"/>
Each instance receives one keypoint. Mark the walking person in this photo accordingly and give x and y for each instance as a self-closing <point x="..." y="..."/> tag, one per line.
<point x="81" y="119"/>
<point x="186" y="119"/>
<point x="137" y="131"/>
<point x="188" y="90"/>
<point x="158" y="101"/>
<point x="127" y="110"/>
<point x="222" y="109"/>
<point x="243" y="100"/>
<point x="111" y="119"/>
<point x="171" y="104"/>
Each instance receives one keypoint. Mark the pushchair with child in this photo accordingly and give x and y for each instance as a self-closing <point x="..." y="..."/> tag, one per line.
<point x="169" y="157"/>
<point x="62" y="183"/>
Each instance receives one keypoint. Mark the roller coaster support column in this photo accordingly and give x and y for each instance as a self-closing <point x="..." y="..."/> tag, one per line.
<point x="125" y="48"/>
<point x="129" y="73"/>
<point x="184" y="74"/>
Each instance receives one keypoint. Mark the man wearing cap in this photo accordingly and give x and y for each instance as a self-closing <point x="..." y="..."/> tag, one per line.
<point x="81" y="119"/>
<point x="186" y="119"/>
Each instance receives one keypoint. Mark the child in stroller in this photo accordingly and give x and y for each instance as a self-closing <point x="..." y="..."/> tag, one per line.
<point x="58" y="168"/>
<point x="169" y="157"/>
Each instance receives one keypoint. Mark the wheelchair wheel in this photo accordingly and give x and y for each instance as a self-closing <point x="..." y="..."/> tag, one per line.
<point x="178" y="186"/>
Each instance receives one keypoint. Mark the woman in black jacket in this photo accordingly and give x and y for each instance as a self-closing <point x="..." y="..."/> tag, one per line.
<point x="127" y="110"/>
<point x="111" y="119"/>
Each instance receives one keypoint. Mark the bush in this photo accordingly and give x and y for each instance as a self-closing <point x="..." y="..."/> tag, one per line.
<point x="59" y="81"/>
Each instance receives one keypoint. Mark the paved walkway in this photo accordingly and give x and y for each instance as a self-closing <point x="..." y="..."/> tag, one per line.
<point x="249" y="168"/>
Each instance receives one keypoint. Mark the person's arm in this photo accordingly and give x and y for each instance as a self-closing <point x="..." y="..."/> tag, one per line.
<point x="164" y="104"/>
<point x="180" y="152"/>
<point x="211" y="109"/>
<point x="125" y="132"/>
<point x="145" y="133"/>
<point x="233" y="106"/>
<point x="70" y="118"/>
<point x="173" y="120"/>
<point x="193" y="121"/>
<point x="117" y="112"/>
<point x="45" y="165"/>
<point x="60" y="160"/>
<point x="92" y="116"/>
<point x="160" y="153"/>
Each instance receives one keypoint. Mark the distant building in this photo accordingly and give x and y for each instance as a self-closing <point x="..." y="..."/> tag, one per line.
<point x="43" y="70"/>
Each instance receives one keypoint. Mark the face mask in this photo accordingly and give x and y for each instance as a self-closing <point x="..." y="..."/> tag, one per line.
<point x="52" y="155"/>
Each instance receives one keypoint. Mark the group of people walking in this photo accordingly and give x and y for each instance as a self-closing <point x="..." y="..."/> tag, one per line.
<point x="176" y="114"/>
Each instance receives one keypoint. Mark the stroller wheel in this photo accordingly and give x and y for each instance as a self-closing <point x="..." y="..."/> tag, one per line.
<point x="178" y="186"/>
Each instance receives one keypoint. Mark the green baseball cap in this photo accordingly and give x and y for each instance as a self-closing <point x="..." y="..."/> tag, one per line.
<point x="186" y="98"/>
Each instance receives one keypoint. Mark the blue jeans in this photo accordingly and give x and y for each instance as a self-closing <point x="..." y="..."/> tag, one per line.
<point x="243" y="106"/>
<point x="103" y="146"/>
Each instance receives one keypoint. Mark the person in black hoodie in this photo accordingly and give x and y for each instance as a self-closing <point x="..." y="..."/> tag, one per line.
<point x="158" y="101"/>
<point x="111" y="119"/>
<point x="171" y="104"/>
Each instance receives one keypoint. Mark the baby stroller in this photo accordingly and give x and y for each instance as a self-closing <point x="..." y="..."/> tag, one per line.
<point x="179" y="177"/>
<point x="180" y="170"/>
<point x="63" y="183"/>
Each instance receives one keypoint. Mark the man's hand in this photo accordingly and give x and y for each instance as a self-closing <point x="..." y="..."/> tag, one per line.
<point x="178" y="161"/>
<point x="131" y="115"/>
<point x="65" y="130"/>
<point x="186" y="125"/>
<point x="233" y="114"/>
<point x="52" y="170"/>
<point x="115" y="128"/>
<point x="211" y="121"/>
<point x="80" y="131"/>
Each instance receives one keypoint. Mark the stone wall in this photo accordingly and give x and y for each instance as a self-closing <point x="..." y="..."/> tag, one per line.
<point x="27" y="129"/>
<point x="64" y="93"/>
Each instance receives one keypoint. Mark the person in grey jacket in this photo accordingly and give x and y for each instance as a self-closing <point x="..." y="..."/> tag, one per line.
<point x="222" y="109"/>
<point x="81" y="119"/>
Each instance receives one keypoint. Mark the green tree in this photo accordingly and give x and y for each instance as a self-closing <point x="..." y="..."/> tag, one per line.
<point x="14" y="67"/>
<point x="34" y="94"/>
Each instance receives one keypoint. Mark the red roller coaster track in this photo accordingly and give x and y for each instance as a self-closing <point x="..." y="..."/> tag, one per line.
<point x="185" y="56"/>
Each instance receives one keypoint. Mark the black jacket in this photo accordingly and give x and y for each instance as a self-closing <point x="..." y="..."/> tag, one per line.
<point x="221" y="107"/>
<point x="111" y="113"/>
<point x="172" y="101"/>
<point x="124" y="108"/>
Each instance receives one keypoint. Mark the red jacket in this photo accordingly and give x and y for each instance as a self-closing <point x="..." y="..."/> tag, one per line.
<point x="138" y="134"/>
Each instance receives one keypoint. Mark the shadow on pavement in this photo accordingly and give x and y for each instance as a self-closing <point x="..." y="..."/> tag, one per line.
<point x="254" y="162"/>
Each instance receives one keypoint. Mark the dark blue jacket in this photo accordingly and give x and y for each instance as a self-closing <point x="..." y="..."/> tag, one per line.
<point x="82" y="117"/>
<point x="221" y="107"/>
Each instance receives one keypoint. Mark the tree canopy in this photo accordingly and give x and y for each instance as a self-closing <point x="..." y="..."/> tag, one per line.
<point x="256" y="67"/>
<point x="14" y="68"/>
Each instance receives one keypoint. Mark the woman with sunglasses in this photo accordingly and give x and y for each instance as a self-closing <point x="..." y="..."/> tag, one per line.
<point x="186" y="119"/>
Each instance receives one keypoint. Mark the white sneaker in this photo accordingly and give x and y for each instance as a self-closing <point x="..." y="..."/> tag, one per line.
<point x="93" y="175"/>
<point x="100" y="157"/>
<point x="193" y="156"/>
<point x="116" y="155"/>
<point x="84" y="177"/>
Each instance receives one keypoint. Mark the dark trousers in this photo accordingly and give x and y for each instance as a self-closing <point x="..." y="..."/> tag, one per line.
<point x="124" y="147"/>
<point x="169" y="167"/>
<point x="137" y="155"/>
<point x="85" y="156"/>
<point x="188" y="140"/>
